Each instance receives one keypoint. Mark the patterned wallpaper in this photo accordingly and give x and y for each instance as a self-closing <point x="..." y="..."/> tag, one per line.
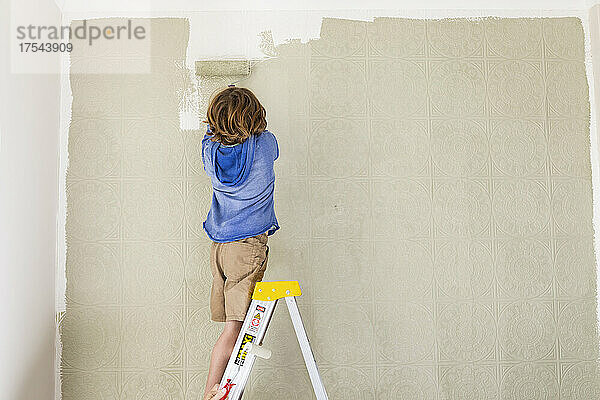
<point x="434" y="194"/>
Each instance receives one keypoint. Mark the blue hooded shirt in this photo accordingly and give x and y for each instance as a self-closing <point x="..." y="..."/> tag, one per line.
<point x="243" y="181"/>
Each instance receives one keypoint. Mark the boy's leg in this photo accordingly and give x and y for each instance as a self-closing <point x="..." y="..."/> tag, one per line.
<point x="235" y="273"/>
<point x="221" y="353"/>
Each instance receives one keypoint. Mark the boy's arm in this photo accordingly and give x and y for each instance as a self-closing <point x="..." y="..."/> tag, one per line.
<point x="204" y="140"/>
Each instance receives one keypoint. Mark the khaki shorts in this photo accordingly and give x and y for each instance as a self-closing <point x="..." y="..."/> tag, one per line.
<point x="236" y="267"/>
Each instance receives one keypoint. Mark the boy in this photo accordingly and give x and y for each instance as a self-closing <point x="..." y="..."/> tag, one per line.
<point x="238" y="153"/>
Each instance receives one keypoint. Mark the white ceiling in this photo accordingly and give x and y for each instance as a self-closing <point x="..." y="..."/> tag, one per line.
<point x="139" y="6"/>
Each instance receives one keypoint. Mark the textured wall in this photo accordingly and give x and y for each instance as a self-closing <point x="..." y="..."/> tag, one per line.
<point x="434" y="193"/>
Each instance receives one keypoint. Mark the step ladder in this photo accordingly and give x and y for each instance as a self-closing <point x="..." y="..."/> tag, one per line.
<point x="248" y="344"/>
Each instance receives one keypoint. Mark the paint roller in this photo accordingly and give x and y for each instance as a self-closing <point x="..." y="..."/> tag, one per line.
<point x="228" y="69"/>
<point x="235" y="69"/>
<point x="239" y="69"/>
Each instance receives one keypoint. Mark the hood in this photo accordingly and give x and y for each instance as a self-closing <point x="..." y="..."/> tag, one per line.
<point x="231" y="164"/>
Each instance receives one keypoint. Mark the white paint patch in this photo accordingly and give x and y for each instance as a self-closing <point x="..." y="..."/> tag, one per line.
<point x="60" y="281"/>
<point x="594" y="140"/>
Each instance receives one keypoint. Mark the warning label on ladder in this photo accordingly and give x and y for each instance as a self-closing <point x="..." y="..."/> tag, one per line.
<point x="255" y="321"/>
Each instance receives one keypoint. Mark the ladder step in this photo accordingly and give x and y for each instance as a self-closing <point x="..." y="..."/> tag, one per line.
<point x="258" y="351"/>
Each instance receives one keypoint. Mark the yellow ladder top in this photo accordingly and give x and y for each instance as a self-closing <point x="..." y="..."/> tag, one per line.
<point x="271" y="291"/>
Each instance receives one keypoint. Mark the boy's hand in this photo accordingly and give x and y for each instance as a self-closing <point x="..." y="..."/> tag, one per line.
<point x="215" y="393"/>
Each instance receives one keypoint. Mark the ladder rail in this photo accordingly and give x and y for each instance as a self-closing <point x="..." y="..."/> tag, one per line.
<point x="239" y="374"/>
<point x="256" y="322"/>
<point x="309" y="358"/>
